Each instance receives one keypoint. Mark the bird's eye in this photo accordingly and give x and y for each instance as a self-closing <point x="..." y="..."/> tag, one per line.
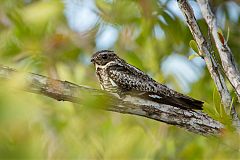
<point x="104" y="56"/>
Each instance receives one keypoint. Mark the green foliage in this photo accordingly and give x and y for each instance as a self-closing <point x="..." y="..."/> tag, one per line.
<point x="193" y="45"/>
<point x="193" y="56"/>
<point x="228" y="33"/>
<point x="35" y="37"/>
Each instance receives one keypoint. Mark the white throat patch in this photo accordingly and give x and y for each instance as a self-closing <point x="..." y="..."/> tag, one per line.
<point x="104" y="66"/>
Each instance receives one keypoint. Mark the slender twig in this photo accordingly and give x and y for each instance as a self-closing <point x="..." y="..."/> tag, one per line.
<point x="191" y="120"/>
<point x="212" y="65"/>
<point x="228" y="61"/>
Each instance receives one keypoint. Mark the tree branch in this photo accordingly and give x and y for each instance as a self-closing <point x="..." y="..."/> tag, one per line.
<point x="228" y="61"/>
<point x="193" y="121"/>
<point x="212" y="65"/>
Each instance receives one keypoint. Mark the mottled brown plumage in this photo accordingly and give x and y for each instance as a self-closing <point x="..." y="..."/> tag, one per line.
<point x="115" y="75"/>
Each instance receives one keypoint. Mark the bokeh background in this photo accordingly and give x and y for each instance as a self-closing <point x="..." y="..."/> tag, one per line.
<point x="56" y="38"/>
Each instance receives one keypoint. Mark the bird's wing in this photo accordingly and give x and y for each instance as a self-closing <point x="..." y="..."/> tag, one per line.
<point x="128" y="79"/>
<point x="134" y="81"/>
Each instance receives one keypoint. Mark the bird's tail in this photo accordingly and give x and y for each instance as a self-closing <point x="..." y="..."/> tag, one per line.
<point x="178" y="100"/>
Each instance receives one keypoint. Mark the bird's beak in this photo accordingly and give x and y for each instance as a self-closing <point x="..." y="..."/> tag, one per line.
<point x="92" y="60"/>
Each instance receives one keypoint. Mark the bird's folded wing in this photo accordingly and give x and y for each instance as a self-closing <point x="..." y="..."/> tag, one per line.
<point x="139" y="84"/>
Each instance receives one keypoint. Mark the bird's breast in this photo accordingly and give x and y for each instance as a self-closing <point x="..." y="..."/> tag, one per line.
<point x="105" y="81"/>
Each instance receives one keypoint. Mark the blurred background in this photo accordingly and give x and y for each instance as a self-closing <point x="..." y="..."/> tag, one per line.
<point x="56" y="38"/>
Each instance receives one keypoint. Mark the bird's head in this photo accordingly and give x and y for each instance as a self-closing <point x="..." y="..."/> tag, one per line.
<point x="103" y="57"/>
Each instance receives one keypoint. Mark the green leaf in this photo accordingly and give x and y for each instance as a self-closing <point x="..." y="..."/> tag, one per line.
<point x="193" y="56"/>
<point x="231" y="106"/>
<point x="194" y="46"/>
<point x="228" y="32"/>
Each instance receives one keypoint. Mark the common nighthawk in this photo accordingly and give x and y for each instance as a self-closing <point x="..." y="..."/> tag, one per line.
<point x="117" y="76"/>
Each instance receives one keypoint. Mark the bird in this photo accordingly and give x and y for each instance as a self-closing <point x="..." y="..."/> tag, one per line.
<point x="117" y="76"/>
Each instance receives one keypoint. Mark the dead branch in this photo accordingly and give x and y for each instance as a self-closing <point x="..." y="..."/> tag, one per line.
<point x="212" y="65"/>
<point x="228" y="61"/>
<point x="193" y="121"/>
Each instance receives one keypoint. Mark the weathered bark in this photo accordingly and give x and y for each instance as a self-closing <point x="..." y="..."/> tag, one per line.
<point x="228" y="62"/>
<point x="193" y="121"/>
<point x="212" y="65"/>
